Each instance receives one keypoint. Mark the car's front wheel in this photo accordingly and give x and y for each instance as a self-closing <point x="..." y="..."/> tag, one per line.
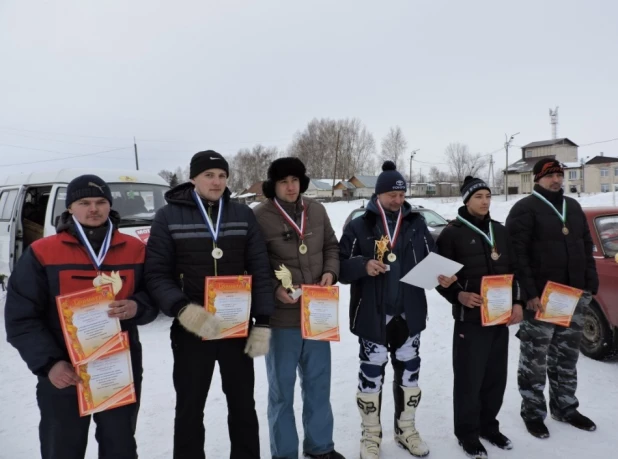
<point x="597" y="336"/>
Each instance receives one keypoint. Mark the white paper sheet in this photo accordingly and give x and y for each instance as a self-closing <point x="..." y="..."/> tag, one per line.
<point x="425" y="274"/>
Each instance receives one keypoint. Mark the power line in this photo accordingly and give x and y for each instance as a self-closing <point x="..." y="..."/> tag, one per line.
<point x="601" y="141"/>
<point x="59" y="141"/>
<point x="59" y="159"/>
<point x="148" y="140"/>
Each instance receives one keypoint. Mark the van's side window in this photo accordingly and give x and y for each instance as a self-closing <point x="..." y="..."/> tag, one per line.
<point x="59" y="204"/>
<point x="7" y="201"/>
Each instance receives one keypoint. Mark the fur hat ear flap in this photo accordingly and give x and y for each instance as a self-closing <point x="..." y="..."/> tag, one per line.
<point x="304" y="183"/>
<point x="268" y="188"/>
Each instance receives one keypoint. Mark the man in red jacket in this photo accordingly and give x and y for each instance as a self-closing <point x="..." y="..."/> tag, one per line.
<point x="88" y="243"/>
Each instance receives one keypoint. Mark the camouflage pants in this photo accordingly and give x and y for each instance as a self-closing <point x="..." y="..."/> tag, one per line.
<point x="553" y="350"/>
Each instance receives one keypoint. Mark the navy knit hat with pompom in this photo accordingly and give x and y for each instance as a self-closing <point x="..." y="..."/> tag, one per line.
<point x="390" y="179"/>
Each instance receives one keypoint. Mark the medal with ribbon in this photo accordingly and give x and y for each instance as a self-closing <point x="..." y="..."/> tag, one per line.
<point x="302" y="248"/>
<point x="98" y="258"/>
<point x="562" y="216"/>
<point x="216" y="253"/>
<point x="391" y="238"/>
<point x="490" y="239"/>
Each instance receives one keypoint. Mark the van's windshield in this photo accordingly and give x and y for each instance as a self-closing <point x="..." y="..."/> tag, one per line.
<point x="136" y="203"/>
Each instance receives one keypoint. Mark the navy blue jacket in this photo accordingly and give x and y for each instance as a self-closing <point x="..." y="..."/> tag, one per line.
<point x="368" y="295"/>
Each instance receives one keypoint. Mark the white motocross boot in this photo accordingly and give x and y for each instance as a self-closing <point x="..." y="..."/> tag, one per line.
<point x="406" y="435"/>
<point x="369" y="408"/>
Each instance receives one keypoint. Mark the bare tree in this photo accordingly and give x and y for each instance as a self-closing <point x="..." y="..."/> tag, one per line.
<point x="394" y="146"/>
<point x="174" y="181"/>
<point x="250" y="166"/>
<point x="166" y="175"/>
<point x="462" y="163"/>
<point x="437" y="176"/>
<point x="347" y="139"/>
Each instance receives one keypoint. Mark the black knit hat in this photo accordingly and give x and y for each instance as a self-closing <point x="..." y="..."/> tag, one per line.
<point x="390" y="179"/>
<point x="205" y="160"/>
<point x="282" y="168"/>
<point x="87" y="186"/>
<point x="470" y="186"/>
<point x="545" y="167"/>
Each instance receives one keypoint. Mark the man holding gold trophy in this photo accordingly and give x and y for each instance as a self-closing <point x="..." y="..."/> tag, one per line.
<point x="387" y="315"/>
<point x="303" y="249"/>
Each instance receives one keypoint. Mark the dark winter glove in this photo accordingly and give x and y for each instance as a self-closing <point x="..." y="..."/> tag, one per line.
<point x="258" y="342"/>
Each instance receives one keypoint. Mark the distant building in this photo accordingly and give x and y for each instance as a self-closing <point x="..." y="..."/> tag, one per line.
<point x="520" y="179"/>
<point x="364" y="185"/>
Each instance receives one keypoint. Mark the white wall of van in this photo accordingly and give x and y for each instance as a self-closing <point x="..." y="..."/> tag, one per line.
<point x="30" y="205"/>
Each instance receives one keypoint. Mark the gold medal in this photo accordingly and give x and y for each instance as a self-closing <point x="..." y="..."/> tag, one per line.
<point x="495" y="255"/>
<point x="391" y="257"/>
<point x="565" y="230"/>
<point x="302" y="248"/>
<point x="217" y="253"/>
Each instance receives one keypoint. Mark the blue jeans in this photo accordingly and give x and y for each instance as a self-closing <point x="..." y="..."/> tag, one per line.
<point x="289" y="351"/>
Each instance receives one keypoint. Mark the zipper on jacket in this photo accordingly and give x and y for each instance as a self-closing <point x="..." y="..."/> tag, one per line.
<point x="426" y="245"/>
<point x="353" y="245"/>
<point x="356" y="313"/>
<point x="214" y="243"/>
<point x="414" y="253"/>
<point x="182" y="282"/>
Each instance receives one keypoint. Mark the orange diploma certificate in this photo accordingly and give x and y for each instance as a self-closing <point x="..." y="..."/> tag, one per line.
<point x="88" y="331"/>
<point x="559" y="302"/>
<point x="320" y="313"/>
<point x="229" y="298"/>
<point x="107" y="382"/>
<point x="497" y="294"/>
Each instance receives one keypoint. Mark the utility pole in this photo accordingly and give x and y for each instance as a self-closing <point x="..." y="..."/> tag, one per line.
<point x="507" y="144"/>
<point x="136" y="158"/>
<point x="491" y="177"/>
<point x="332" y="191"/>
<point x="412" y="157"/>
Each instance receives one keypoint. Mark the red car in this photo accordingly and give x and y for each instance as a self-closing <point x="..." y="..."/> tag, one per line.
<point x="600" y="338"/>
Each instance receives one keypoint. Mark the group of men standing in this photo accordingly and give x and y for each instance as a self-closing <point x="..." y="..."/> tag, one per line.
<point x="201" y="233"/>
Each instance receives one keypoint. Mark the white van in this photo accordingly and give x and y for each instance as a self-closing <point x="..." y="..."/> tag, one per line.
<point x="31" y="204"/>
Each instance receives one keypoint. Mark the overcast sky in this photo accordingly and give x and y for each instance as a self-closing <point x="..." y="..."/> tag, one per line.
<point x="82" y="76"/>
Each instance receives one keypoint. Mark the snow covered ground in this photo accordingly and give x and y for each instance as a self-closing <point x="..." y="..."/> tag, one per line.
<point x="598" y="389"/>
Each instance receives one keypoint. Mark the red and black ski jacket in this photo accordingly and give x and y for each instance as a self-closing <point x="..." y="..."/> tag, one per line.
<point x="58" y="265"/>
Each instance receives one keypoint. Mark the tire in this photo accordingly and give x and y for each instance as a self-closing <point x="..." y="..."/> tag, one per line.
<point x="597" y="336"/>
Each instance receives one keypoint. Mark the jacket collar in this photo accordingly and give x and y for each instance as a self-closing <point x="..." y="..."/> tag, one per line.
<point x="481" y="223"/>
<point x="182" y="194"/>
<point x="555" y="197"/>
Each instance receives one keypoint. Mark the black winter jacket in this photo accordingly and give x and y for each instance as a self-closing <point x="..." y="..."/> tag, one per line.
<point x="368" y="294"/>
<point x="543" y="253"/>
<point x="178" y="254"/>
<point x="463" y="245"/>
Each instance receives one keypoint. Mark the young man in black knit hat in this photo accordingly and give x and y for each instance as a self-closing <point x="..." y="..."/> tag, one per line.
<point x="387" y="315"/>
<point x="480" y="353"/>
<point x="87" y="245"/>
<point x="299" y="236"/>
<point x="552" y="242"/>
<point x="198" y="234"/>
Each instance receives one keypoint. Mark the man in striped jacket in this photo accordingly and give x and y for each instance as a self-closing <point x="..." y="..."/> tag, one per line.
<point x="202" y="233"/>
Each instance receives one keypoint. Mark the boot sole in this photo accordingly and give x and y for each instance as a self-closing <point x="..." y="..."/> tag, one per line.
<point x="503" y="447"/>
<point x="402" y="446"/>
<point x="589" y="429"/>
<point x="474" y="456"/>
